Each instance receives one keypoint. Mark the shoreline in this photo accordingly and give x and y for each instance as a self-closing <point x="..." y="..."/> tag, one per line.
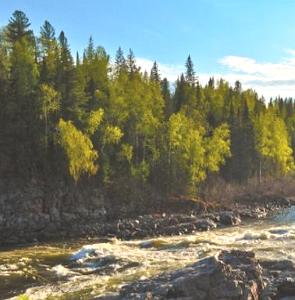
<point x="152" y="225"/>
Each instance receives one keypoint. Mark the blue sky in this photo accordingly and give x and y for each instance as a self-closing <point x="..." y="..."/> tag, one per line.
<point x="249" y="40"/>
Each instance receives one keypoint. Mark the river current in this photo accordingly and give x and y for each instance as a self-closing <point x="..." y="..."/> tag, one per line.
<point x="86" y="269"/>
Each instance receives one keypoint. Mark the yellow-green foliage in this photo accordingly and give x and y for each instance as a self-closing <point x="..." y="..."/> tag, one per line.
<point x="272" y="141"/>
<point x="50" y="99"/>
<point x="141" y="171"/>
<point x="186" y="146"/>
<point x="139" y="126"/>
<point x="218" y="147"/>
<point x="78" y="148"/>
<point x="112" y="135"/>
<point x="94" y="119"/>
<point x="127" y="152"/>
<point x="192" y="152"/>
<point x="25" y="71"/>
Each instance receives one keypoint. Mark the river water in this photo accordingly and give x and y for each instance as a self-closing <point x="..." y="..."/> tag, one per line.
<point x="87" y="269"/>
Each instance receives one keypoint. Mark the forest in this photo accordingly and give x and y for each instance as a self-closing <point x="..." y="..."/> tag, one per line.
<point x="89" y="117"/>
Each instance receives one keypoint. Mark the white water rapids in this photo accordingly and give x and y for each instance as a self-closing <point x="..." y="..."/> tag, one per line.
<point x="76" y="271"/>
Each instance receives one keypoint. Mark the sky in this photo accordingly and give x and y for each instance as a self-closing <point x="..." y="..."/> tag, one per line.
<point x="248" y="40"/>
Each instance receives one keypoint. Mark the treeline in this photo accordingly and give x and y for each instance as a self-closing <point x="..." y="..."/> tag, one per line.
<point x="91" y="116"/>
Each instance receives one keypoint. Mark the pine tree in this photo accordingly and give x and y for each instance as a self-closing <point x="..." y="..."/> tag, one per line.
<point x="22" y="123"/>
<point x="90" y="51"/>
<point x="65" y="77"/>
<point x="131" y="66"/>
<point x="190" y="73"/>
<point x="18" y="27"/>
<point x="155" y="76"/>
<point x="179" y="95"/>
<point x="120" y="63"/>
<point x="167" y="97"/>
<point x="211" y="82"/>
<point x="238" y="87"/>
<point x="77" y="59"/>
<point x="49" y="54"/>
<point x="47" y="35"/>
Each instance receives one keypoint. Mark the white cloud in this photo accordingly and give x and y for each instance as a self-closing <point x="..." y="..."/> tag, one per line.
<point x="266" y="78"/>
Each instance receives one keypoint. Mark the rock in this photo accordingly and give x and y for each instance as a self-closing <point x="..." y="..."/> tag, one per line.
<point x="205" y="224"/>
<point x="253" y="213"/>
<point x="109" y="296"/>
<point x="229" y="218"/>
<point x="54" y="214"/>
<point x="68" y="217"/>
<point x="228" y="275"/>
<point x="98" y="213"/>
<point x="286" y="288"/>
<point x="2" y="220"/>
<point x="83" y="212"/>
<point x="281" y="265"/>
<point x="40" y="221"/>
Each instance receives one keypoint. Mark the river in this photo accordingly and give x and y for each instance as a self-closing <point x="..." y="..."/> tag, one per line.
<point x="85" y="269"/>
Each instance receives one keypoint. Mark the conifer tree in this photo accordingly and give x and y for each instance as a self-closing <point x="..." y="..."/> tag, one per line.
<point x="18" y="27"/>
<point x="179" y="95"/>
<point x="49" y="54"/>
<point x="131" y="66"/>
<point x="145" y="133"/>
<point x="155" y="76"/>
<point x="167" y="97"/>
<point x="190" y="73"/>
<point x="120" y="62"/>
<point x="65" y="76"/>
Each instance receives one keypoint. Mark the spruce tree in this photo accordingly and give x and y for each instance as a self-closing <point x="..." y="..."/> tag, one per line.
<point x="18" y="27"/>
<point x="190" y="73"/>
<point x="65" y="76"/>
<point x="49" y="54"/>
<point x="131" y="66"/>
<point x="179" y="95"/>
<point x="120" y="63"/>
<point x="155" y="76"/>
<point x="168" y="110"/>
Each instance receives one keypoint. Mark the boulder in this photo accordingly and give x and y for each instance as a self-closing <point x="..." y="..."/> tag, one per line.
<point x="228" y="275"/>
<point x="205" y="224"/>
<point x="278" y="265"/>
<point x="229" y="218"/>
<point x="286" y="289"/>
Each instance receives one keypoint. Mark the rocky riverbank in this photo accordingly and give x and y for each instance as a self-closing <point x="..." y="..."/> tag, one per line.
<point x="214" y="264"/>
<point x="229" y="275"/>
<point x="27" y="226"/>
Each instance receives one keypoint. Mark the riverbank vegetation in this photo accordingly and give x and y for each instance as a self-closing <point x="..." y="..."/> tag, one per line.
<point x="103" y="119"/>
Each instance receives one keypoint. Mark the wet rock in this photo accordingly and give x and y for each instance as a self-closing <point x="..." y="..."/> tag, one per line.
<point x="205" y="225"/>
<point x="253" y="213"/>
<point x="281" y="265"/>
<point x="228" y="275"/>
<point x="291" y="200"/>
<point x="109" y="296"/>
<point x="229" y="218"/>
<point x="286" y="288"/>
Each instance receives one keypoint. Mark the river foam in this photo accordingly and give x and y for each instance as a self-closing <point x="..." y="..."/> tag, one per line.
<point x="104" y="267"/>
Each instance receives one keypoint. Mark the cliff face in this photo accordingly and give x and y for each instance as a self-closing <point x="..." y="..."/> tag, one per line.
<point x="37" y="211"/>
